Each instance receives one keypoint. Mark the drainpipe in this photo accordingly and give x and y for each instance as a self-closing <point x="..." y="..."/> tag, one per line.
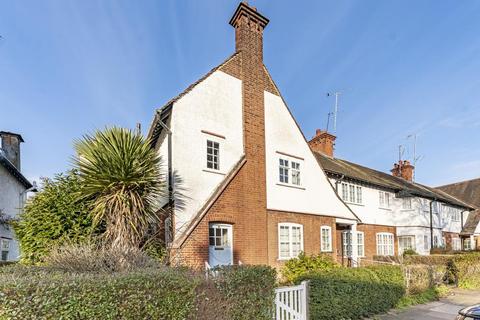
<point x="431" y="224"/>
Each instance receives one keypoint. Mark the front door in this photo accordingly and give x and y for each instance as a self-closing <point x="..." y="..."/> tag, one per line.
<point x="220" y="249"/>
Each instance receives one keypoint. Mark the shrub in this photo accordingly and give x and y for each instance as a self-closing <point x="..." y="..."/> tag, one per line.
<point x="304" y="264"/>
<point x="143" y="294"/>
<point x="428" y="260"/>
<point x="409" y="252"/>
<point x="420" y="278"/>
<point x="54" y="217"/>
<point x="354" y="293"/>
<point x="467" y="266"/>
<point x="248" y="291"/>
<point x="93" y="258"/>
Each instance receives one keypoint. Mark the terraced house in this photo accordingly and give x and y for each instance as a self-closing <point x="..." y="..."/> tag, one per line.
<point x="396" y="213"/>
<point x="245" y="186"/>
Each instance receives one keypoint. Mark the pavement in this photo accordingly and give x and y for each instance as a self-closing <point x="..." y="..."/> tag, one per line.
<point x="446" y="309"/>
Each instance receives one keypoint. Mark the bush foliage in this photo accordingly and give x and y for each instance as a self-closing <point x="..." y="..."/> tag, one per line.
<point x="303" y="264"/>
<point x="54" y="217"/>
<point x="244" y="292"/>
<point x="354" y="293"/>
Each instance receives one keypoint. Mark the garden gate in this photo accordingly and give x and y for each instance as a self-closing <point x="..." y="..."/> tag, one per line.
<point x="291" y="303"/>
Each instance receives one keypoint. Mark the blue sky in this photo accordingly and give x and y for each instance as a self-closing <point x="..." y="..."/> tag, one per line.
<point x="69" y="67"/>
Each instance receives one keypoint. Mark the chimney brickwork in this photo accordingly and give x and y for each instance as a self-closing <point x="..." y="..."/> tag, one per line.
<point x="323" y="142"/>
<point x="403" y="169"/>
<point x="11" y="147"/>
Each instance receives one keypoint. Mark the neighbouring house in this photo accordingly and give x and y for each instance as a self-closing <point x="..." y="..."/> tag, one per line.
<point x="244" y="185"/>
<point x="396" y="213"/>
<point x="13" y="193"/>
<point x="468" y="191"/>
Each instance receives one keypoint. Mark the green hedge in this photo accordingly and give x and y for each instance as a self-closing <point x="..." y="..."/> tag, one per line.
<point x="354" y="293"/>
<point x="303" y="264"/>
<point x="38" y="293"/>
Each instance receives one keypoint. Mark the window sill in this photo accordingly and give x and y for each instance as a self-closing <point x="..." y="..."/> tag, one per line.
<point x="328" y="251"/>
<point x="407" y="210"/>
<point x="355" y="204"/>
<point x="383" y="208"/>
<point x="213" y="171"/>
<point x="290" y="186"/>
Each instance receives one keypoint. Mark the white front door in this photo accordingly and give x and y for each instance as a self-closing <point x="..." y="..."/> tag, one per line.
<point x="220" y="249"/>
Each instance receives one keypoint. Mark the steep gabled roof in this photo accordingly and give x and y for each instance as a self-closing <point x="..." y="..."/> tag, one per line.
<point x="380" y="179"/>
<point x="468" y="191"/>
<point x="472" y="222"/>
<point x="163" y="112"/>
<point x="14" y="171"/>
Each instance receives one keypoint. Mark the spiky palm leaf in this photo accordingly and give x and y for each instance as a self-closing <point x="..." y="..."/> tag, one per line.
<point x="120" y="172"/>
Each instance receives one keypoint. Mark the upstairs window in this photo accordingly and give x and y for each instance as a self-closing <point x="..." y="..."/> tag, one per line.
<point x="213" y="155"/>
<point x="351" y="193"/>
<point x="326" y="238"/>
<point x="283" y="170"/>
<point x="384" y="199"/>
<point x="407" y="203"/>
<point x="290" y="240"/>
<point x="296" y="173"/>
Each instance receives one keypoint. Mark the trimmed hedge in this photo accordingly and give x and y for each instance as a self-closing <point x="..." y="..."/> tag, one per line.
<point x="39" y="293"/>
<point x="354" y="293"/>
<point x="303" y="264"/>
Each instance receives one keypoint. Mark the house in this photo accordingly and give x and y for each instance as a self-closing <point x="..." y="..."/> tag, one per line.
<point x="244" y="185"/>
<point x="13" y="192"/>
<point x="396" y="213"/>
<point x="468" y="191"/>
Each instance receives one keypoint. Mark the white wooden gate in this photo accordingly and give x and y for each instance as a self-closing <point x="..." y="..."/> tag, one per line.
<point x="291" y="303"/>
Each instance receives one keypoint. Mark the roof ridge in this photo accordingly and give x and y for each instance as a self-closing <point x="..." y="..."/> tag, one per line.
<point x="457" y="183"/>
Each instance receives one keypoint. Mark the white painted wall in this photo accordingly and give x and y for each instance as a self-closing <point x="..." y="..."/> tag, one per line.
<point x="315" y="195"/>
<point x="214" y="105"/>
<point x="419" y="233"/>
<point x="11" y="202"/>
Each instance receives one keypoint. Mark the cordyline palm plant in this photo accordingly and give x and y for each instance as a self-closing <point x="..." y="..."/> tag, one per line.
<point x="120" y="173"/>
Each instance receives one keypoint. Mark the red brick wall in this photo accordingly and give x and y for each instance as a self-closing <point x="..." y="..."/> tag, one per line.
<point x="370" y="235"/>
<point x="311" y="233"/>
<point x="448" y="238"/>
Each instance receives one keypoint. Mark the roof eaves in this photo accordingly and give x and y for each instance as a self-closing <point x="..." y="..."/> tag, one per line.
<point x="14" y="171"/>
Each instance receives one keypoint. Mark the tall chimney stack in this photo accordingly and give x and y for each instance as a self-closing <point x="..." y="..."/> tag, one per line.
<point x="11" y="147"/>
<point x="323" y="142"/>
<point x="403" y="169"/>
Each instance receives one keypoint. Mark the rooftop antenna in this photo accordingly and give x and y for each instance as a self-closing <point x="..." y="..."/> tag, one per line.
<point x="328" y="119"/>
<point x="415" y="157"/>
<point x="335" y="112"/>
<point x="138" y="127"/>
<point x="401" y="151"/>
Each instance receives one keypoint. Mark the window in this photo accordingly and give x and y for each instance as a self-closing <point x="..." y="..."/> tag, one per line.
<point x="385" y="244"/>
<point x="347" y="244"/>
<point x="326" y="238"/>
<point x="456" y="244"/>
<point x="436" y="207"/>
<point x="467" y="244"/>
<point x="360" y="244"/>
<point x="213" y="155"/>
<point x="283" y="170"/>
<point x="296" y="173"/>
<point x="5" y="248"/>
<point x="351" y="193"/>
<point x="456" y="215"/>
<point x="426" y="245"/>
<point x="406" y="243"/>
<point x="218" y="236"/>
<point x="435" y="242"/>
<point x="406" y="203"/>
<point x="384" y="199"/>
<point x="290" y="240"/>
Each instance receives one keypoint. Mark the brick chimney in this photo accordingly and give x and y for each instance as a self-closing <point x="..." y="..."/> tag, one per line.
<point x="323" y="142"/>
<point x="403" y="169"/>
<point x="11" y="147"/>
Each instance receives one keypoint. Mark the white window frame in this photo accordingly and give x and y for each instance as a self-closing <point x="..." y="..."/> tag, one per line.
<point x="469" y="246"/>
<point x="456" y="244"/>
<point x="412" y="246"/>
<point x="4" y="247"/>
<point x="347" y="243"/>
<point x="328" y="248"/>
<point x="426" y="243"/>
<point x="290" y="171"/>
<point x="385" y="244"/>
<point x="384" y="199"/>
<point x="214" y="157"/>
<point x="290" y="226"/>
<point x="407" y="203"/>
<point x="351" y="193"/>
<point x="361" y="244"/>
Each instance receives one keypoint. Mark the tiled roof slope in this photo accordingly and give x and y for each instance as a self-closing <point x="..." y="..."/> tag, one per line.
<point x="468" y="191"/>
<point x="381" y="179"/>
